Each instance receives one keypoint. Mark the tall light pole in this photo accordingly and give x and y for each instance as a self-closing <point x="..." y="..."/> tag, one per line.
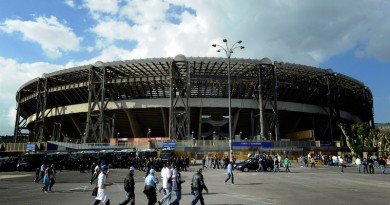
<point x="148" y="133"/>
<point x="229" y="50"/>
<point x="117" y="136"/>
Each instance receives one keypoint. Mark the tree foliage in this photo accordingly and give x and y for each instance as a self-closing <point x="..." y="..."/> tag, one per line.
<point x="356" y="136"/>
<point x="360" y="135"/>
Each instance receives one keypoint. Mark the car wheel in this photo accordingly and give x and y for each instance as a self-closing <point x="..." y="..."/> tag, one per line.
<point x="269" y="169"/>
<point x="246" y="169"/>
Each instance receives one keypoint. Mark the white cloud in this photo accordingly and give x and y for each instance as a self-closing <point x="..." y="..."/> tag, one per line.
<point x="304" y="32"/>
<point x="99" y="7"/>
<point x="12" y="76"/>
<point x="70" y="3"/>
<point x="299" y="34"/>
<point x="11" y="116"/>
<point x="51" y="35"/>
<point x="145" y="12"/>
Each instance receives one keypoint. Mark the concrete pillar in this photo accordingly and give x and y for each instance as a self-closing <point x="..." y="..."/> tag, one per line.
<point x="136" y="130"/>
<point x="200" y="123"/>
<point x="235" y="120"/>
<point x="165" y="118"/>
<point x="77" y="123"/>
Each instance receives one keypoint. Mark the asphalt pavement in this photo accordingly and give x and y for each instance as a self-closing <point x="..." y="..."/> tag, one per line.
<point x="304" y="185"/>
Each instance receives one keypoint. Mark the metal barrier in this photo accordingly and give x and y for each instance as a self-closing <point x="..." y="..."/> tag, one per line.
<point x="205" y="144"/>
<point x="22" y="147"/>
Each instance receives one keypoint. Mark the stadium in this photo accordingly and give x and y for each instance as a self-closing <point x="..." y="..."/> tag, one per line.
<point x="185" y="98"/>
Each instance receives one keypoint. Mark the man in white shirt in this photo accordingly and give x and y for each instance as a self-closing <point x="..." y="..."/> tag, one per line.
<point x="166" y="174"/>
<point x="358" y="162"/>
<point x="341" y="164"/>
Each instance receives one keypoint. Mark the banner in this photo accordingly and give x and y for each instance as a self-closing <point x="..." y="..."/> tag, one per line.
<point x="252" y="144"/>
<point x="169" y="144"/>
<point x="30" y="147"/>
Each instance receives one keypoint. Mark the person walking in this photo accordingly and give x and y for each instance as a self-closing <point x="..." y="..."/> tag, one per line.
<point x="150" y="187"/>
<point x="197" y="186"/>
<point x="365" y="169"/>
<point x="148" y="165"/>
<point x="341" y="164"/>
<point x="312" y="163"/>
<point x="52" y="176"/>
<point x="42" y="172"/>
<point x="166" y="180"/>
<point x="46" y="180"/>
<point x="358" y="163"/>
<point x="230" y="172"/>
<point x="95" y="173"/>
<point x="287" y="163"/>
<point x="102" y="195"/>
<point x="276" y="164"/>
<point x="128" y="186"/>
<point x="260" y="165"/>
<point x="204" y="163"/>
<point x="370" y="162"/>
<point x="176" y="185"/>
<point x="37" y="173"/>
<point x="382" y="164"/>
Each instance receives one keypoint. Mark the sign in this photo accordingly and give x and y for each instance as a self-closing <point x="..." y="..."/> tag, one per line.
<point x="325" y="143"/>
<point x="169" y="144"/>
<point x="30" y="147"/>
<point x="252" y="144"/>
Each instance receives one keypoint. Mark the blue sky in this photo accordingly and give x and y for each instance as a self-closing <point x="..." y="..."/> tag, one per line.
<point x="42" y="36"/>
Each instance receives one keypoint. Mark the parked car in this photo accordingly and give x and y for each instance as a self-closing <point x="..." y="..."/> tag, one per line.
<point x="8" y="163"/>
<point x="253" y="164"/>
<point x="31" y="161"/>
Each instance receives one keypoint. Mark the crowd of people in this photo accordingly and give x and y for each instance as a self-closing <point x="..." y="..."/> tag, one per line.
<point x="170" y="178"/>
<point x="170" y="170"/>
<point x="47" y="173"/>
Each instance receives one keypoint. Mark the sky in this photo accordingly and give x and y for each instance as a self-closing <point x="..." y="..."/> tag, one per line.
<point x="43" y="36"/>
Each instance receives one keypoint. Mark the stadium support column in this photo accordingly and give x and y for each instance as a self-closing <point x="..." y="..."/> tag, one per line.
<point x="180" y="90"/>
<point x="97" y="103"/>
<point x="332" y="97"/>
<point x="41" y="95"/>
<point x="134" y="125"/>
<point x="368" y="106"/>
<point x="20" y="122"/>
<point x="268" y="95"/>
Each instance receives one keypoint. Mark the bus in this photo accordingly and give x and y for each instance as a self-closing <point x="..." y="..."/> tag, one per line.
<point x="167" y="154"/>
<point x="148" y="153"/>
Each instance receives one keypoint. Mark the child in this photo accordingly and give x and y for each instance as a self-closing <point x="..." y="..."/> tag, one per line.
<point x="37" y="172"/>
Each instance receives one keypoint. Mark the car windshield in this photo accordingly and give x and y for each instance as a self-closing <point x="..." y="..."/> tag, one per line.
<point x="249" y="160"/>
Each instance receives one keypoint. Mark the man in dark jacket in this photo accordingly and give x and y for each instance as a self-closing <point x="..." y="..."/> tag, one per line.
<point x="129" y="187"/>
<point x="197" y="187"/>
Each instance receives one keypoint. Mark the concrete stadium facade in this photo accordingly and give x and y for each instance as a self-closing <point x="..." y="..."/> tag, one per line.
<point x="185" y="98"/>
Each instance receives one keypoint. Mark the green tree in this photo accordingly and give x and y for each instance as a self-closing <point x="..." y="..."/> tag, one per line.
<point x="382" y="141"/>
<point x="356" y="136"/>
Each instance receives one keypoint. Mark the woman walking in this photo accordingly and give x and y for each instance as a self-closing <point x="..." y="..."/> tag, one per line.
<point x="102" y="195"/>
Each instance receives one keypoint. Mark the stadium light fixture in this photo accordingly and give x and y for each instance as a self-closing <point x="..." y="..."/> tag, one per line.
<point x="228" y="51"/>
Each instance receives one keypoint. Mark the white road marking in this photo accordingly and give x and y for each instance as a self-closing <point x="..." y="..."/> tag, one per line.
<point x="258" y="200"/>
<point x="14" y="176"/>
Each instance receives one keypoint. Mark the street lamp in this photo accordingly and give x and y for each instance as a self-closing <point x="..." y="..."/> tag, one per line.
<point x="192" y="138"/>
<point x="228" y="51"/>
<point x="214" y="138"/>
<point x="148" y="133"/>
<point x="117" y="136"/>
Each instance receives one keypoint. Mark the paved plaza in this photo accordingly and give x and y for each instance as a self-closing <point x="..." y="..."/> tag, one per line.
<point x="320" y="185"/>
